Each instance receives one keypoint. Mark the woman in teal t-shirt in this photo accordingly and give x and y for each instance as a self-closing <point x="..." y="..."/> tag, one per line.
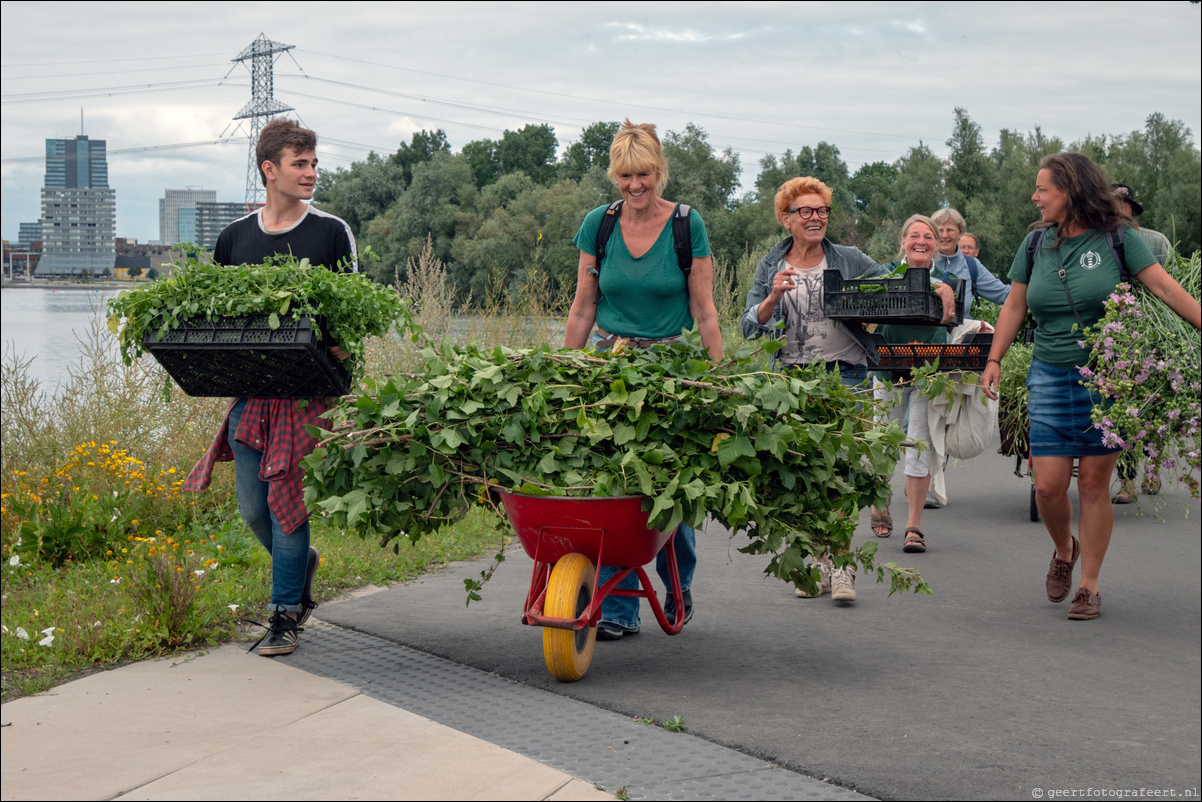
<point x="1072" y="275"/>
<point x="640" y="293"/>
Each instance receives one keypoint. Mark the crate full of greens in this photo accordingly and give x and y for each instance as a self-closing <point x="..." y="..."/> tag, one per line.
<point x="261" y="331"/>
<point x="905" y="298"/>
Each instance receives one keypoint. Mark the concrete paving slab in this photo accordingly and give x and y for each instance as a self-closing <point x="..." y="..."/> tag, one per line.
<point x="213" y="727"/>
<point x="363" y="749"/>
<point x="116" y="730"/>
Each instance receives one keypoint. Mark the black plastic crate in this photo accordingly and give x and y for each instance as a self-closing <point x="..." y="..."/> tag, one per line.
<point x="900" y="358"/>
<point x="907" y="300"/>
<point x="243" y="357"/>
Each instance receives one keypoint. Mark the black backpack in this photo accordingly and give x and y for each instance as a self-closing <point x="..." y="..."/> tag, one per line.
<point x="1114" y="239"/>
<point x="682" y="238"/>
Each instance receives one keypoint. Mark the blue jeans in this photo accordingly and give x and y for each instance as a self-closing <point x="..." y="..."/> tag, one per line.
<point x="849" y="375"/>
<point x="624" y="610"/>
<point x="289" y="553"/>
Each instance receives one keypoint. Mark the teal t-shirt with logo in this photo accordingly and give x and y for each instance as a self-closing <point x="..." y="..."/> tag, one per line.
<point x="647" y="297"/>
<point x="1092" y="275"/>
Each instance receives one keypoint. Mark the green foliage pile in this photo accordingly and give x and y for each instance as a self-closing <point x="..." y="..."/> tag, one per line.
<point x="349" y="305"/>
<point x="789" y="459"/>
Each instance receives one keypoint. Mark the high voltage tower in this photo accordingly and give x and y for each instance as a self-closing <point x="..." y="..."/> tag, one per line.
<point x="262" y="106"/>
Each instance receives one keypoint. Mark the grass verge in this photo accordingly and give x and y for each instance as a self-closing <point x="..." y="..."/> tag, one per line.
<point x="150" y="601"/>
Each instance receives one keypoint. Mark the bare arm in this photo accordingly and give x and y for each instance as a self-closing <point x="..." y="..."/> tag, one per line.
<point x="1009" y="321"/>
<point x="701" y="305"/>
<point x="1166" y="288"/>
<point x="583" y="313"/>
<point x="782" y="282"/>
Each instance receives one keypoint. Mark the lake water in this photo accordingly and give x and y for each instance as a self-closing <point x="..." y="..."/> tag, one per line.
<point x="46" y="325"/>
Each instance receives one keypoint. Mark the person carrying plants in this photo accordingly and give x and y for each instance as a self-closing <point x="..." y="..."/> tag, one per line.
<point x="919" y="243"/>
<point x="266" y="437"/>
<point x="1064" y="273"/>
<point x="788" y="287"/>
<point x="1160" y="247"/>
<point x="645" y="275"/>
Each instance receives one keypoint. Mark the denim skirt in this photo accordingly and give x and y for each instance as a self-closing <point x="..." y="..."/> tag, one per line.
<point x="1060" y="408"/>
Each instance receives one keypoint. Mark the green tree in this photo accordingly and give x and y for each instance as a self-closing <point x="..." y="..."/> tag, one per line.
<point x="919" y="188"/>
<point x="530" y="150"/>
<point x="134" y="271"/>
<point x="697" y="175"/>
<point x="363" y="192"/>
<point x="442" y="195"/>
<point x="421" y="148"/>
<point x="591" y="150"/>
<point x="1016" y="158"/>
<point x="874" y="189"/>
<point x="481" y="157"/>
<point x="152" y="274"/>
<point x="970" y="172"/>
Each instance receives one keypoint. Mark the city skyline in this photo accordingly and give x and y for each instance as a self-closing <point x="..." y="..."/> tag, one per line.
<point x="874" y="79"/>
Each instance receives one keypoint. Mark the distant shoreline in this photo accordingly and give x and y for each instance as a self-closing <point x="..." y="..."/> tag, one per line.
<point x="98" y="285"/>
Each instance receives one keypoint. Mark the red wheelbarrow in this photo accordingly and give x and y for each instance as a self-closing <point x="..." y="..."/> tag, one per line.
<point x="569" y="539"/>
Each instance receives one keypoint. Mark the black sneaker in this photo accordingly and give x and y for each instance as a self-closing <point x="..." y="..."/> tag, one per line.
<point x="670" y="607"/>
<point x="608" y="630"/>
<point x="282" y="635"/>
<point x="307" y="603"/>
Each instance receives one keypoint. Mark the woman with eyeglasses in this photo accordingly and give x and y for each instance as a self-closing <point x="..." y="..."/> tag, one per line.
<point x="788" y="288"/>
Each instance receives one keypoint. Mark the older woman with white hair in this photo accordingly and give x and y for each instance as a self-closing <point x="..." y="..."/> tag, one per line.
<point x="978" y="280"/>
<point x="641" y="280"/>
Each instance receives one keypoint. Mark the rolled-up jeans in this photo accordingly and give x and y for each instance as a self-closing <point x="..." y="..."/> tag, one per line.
<point x="624" y="610"/>
<point x="289" y="552"/>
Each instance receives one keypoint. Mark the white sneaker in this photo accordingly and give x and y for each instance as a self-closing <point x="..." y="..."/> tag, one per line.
<point x="932" y="503"/>
<point x="843" y="584"/>
<point x="824" y="584"/>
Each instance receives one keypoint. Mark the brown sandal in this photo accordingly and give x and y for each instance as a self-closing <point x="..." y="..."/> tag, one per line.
<point x="884" y="521"/>
<point x="915" y="544"/>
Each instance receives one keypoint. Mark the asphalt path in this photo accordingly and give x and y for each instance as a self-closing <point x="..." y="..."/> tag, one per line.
<point x="983" y="691"/>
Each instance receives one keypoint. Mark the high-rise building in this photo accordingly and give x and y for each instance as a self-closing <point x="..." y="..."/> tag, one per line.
<point x="170" y="205"/>
<point x="77" y="163"/>
<point x="211" y="218"/>
<point x="29" y="234"/>
<point x="79" y="209"/>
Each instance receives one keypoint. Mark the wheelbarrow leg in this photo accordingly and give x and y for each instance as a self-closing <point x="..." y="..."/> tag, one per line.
<point x="671" y="627"/>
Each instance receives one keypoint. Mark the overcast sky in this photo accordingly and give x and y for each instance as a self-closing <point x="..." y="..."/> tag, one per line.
<point x="872" y="78"/>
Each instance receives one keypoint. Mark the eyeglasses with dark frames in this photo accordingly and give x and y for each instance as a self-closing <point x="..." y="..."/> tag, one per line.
<point x="806" y="212"/>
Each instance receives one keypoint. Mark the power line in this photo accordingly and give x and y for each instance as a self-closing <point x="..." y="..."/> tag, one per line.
<point x="427" y="99"/>
<point x="241" y="140"/>
<point x="99" y="61"/>
<point x="389" y="111"/>
<point x="614" y="102"/>
<point x="132" y="89"/>
<point x="108" y="72"/>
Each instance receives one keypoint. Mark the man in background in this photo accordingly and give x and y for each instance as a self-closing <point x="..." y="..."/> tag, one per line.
<point x="1160" y="247"/>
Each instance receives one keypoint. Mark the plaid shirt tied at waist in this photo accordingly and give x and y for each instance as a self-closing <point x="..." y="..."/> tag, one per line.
<point x="276" y="427"/>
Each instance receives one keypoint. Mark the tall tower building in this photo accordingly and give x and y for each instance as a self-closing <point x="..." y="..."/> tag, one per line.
<point x="173" y="228"/>
<point x="79" y="209"/>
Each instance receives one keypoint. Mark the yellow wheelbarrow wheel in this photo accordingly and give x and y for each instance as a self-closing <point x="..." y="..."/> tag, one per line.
<point x="568" y="653"/>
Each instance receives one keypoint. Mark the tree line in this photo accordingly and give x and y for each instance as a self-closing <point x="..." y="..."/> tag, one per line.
<point x="498" y="209"/>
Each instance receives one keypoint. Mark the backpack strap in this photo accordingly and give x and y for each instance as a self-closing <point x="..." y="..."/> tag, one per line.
<point x="682" y="235"/>
<point x="682" y="239"/>
<point x="973" y="266"/>
<point x="1115" y="240"/>
<point x="1034" y="240"/>
<point x="605" y="231"/>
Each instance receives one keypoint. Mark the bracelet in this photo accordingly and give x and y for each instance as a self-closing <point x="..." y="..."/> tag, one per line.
<point x="991" y="359"/>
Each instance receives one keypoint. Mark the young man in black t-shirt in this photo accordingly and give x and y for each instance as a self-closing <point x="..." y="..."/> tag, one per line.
<point x="259" y="430"/>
